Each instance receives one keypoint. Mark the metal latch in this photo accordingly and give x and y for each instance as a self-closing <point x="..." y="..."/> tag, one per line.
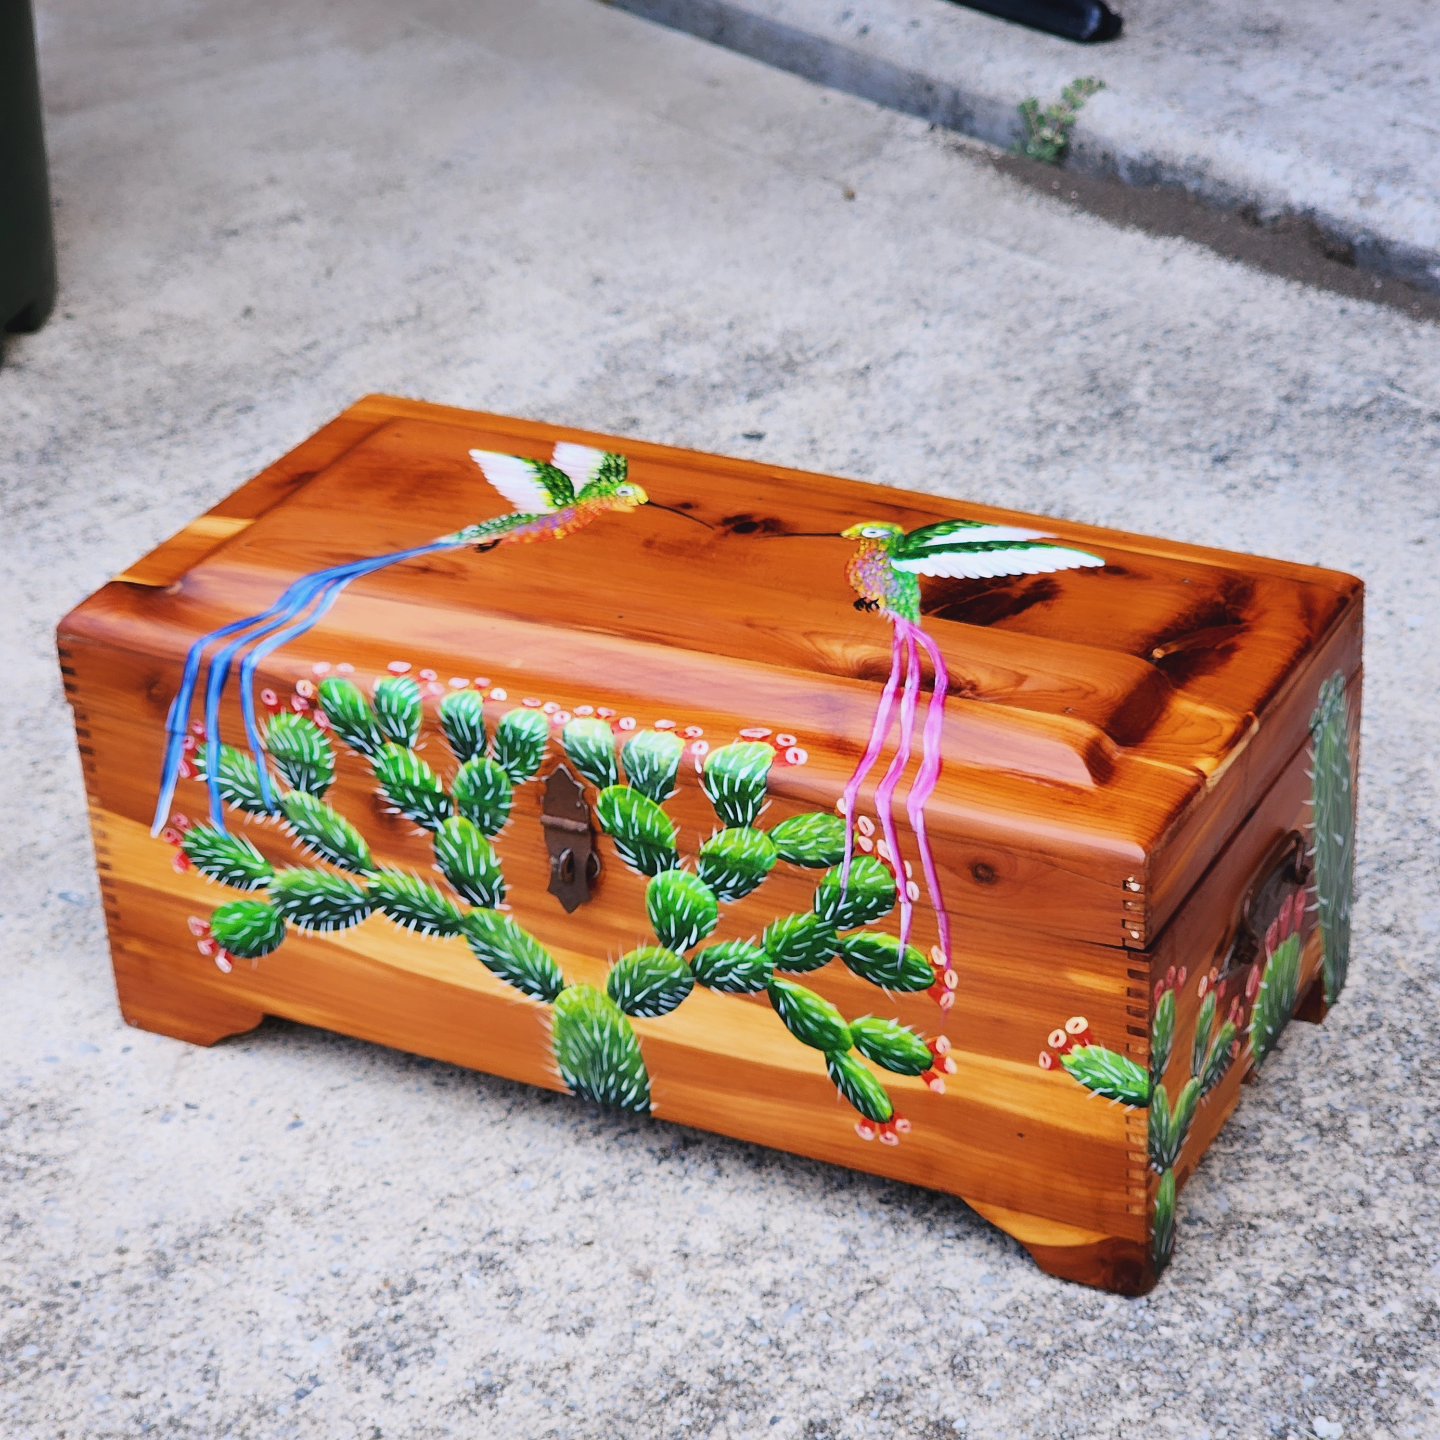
<point x="570" y="838"/>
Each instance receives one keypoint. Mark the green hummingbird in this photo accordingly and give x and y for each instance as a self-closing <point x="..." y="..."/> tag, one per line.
<point x="885" y="572"/>
<point x="885" y="569"/>
<point x="551" y="499"/>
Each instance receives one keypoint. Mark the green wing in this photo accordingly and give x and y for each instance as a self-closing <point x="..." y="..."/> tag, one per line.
<point x="531" y="486"/>
<point x="972" y="550"/>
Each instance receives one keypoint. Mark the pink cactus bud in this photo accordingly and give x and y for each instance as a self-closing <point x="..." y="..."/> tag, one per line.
<point x="888" y="1135"/>
<point x="1058" y="1039"/>
<point x="198" y="926"/>
<point x="628" y="722"/>
<point x="269" y="699"/>
<point x="693" y="732"/>
<point x="1204" y="986"/>
<point x="940" y="1045"/>
<point x="901" y="1124"/>
<point x="947" y="1000"/>
<point x="197" y="727"/>
<point x="189" y="745"/>
<point x="1181" y="980"/>
<point x="755" y="732"/>
<point x="1170" y="976"/>
<point x="561" y="718"/>
<point x="320" y="667"/>
<point x="321" y="719"/>
<point x="531" y="702"/>
<point x="398" y="667"/>
<point x="1159" y="990"/>
<point x="181" y="862"/>
<point x="784" y="741"/>
<point x="604" y="712"/>
<point x="948" y="1065"/>
<point x="1272" y="937"/>
<point x="434" y="687"/>
<point x="299" y="704"/>
<point x="427" y="674"/>
<point x="344" y="668"/>
<point x="223" y="962"/>
<point x="170" y="835"/>
<point x="952" y="980"/>
<point x="459" y="682"/>
<point x="1076" y="1025"/>
<point x="664" y="724"/>
<point x="1252" y="983"/>
<point x="797" y="755"/>
<point x="864" y="1129"/>
<point x="1047" y="1060"/>
<point x="499" y="693"/>
<point x="206" y="945"/>
<point x="182" y="822"/>
<point x="306" y="688"/>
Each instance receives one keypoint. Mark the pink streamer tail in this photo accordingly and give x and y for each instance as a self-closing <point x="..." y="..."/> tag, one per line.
<point x="879" y="729"/>
<point x="885" y="791"/>
<point x="925" y="783"/>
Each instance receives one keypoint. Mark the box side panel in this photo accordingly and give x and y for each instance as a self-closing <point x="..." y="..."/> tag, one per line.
<point x="1263" y="939"/>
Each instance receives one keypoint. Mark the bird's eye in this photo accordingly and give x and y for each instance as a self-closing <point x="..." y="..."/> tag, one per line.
<point x="626" y="490"/>
<point x="873" y="532"/>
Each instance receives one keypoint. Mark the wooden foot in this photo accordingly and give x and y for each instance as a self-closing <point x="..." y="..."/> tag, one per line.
<point x="1313" y="1007"/>
<point x="1106" y="1262"/>
<point x="178" y="998"/>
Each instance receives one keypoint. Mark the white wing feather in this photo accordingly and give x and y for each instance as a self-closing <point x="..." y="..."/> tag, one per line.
<point x="515" y="480"/>
<point x="988" y="564"/>
<point x="579" y="462"/>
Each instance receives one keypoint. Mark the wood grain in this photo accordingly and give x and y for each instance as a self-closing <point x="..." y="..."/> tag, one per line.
<point x="1116" y="731"/>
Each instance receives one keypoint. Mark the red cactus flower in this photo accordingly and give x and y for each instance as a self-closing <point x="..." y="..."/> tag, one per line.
<point x="181" y="863"/>
<point x="935" y="1080"/>
<point x="889" y="1135"/>
<point x="940" y="1045"/>
<point x="865" y="1130"/>
<point x="198" y="926"/>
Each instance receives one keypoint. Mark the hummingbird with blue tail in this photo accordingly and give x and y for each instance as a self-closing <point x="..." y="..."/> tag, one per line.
<point x="551" y="499"/>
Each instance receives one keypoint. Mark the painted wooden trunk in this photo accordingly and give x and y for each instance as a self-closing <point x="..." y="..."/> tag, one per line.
<point x="990" y="856"/>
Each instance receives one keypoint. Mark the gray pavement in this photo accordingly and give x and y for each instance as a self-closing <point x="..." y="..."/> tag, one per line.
<point x="1325" y="110"/>
<point x="561" y="211"/>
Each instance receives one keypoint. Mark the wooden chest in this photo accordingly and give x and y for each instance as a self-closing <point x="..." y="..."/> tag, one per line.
<point x="991" y="856"/>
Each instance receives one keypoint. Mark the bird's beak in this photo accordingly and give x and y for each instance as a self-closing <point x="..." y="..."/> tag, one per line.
<point x="683" y="514"/>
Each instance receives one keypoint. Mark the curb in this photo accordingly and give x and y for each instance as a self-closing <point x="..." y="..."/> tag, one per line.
<point x="968" y="106"/>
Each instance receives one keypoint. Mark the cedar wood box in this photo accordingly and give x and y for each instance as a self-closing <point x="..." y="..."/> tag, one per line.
<point x="1141" y="827"/>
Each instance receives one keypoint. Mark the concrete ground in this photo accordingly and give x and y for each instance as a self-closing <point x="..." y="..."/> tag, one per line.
<point x="1324" y="110"/>
<point x="561" y="211"/>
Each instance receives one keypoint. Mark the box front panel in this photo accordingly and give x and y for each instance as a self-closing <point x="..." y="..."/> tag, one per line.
<point x="866" y="1058"/>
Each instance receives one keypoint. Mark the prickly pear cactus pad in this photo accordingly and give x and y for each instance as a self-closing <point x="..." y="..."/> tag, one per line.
<point x="461" y="794"/>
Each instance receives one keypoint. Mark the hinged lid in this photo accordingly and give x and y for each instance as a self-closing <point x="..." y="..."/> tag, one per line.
<point x="1107" y="728"/>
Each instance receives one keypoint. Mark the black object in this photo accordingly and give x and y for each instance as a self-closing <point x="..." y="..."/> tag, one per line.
<point x="1083" y="20"/>
<point x="574" y="860"/>
<point x="27" y="237"/>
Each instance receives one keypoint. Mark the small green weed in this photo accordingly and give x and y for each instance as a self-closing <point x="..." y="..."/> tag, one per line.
<point x="1047" y="131"/>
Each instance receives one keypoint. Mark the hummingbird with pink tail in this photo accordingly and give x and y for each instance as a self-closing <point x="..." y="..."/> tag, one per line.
<point x="885" y="572"/>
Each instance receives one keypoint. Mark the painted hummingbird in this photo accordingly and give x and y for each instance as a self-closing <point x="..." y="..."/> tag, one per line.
<point x="885" y="572"/>
<point x="551" y="499"/>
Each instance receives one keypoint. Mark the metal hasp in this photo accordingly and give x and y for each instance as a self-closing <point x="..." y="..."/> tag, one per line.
<point x="570" y="838"/>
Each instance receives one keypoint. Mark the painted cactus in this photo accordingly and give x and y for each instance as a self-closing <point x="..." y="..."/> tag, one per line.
<point x="1334" y="833"/>
<point x="635" y="773"/>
